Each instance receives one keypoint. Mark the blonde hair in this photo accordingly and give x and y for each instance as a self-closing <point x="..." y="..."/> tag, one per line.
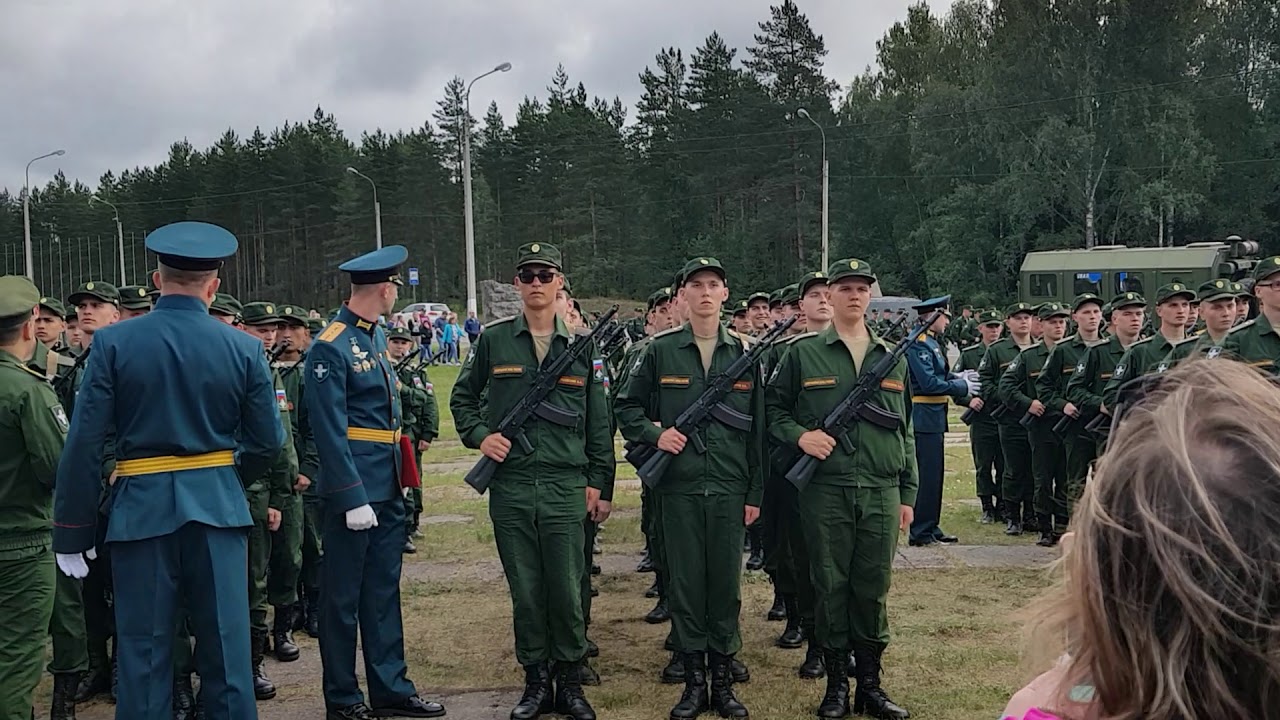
<point x="1169" y="599"/>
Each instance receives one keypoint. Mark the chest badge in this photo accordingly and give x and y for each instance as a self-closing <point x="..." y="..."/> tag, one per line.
<point x="356" y="351"/>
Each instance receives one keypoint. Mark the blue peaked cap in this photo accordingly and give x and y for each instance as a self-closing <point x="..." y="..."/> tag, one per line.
<point x="192" y="245"/>
<point x="932" y="304"/>
<point x="379" y="266"/>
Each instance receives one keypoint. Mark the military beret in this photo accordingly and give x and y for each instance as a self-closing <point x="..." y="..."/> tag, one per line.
<point x="379" y="266"/>
<point x="1266" y="267"/>
<point x="1051" y="310"/>
<point x="292" y="315"/>
<point x="399" y="333"/>
<point x="259" y="313"/>
<point x="1174" y="290"/>
<point x="791" y="294"/>
<point x="699" y="264"/>
<point x="740" y="307"/>
<point x="538" y="254"/>
<point x="104" y="291"/>
<point x="849" y="267"/>
<point x="55" y="306"/>
<point x="134" y="297"/>
<point x="1126" y="299"/>
<point x="195" y="246"/>
<point x="659" y="296"/>
<point x="18" y="297"/>
<point x="1216" y="290"/>
<point x="1084" y="298"/>
<point x="1019" y="307"/>
<point x="224" y="304"/>
<point x="810" y="279"/>
<point x="990" y="317"/>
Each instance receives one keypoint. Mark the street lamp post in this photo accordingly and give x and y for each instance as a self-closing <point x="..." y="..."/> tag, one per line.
<point x="377" y="209"/>
<point x="468" y="221"/>
<point x="26" y="213"/>
<point x="826" y="188"/>
<point x="119" y="233"/>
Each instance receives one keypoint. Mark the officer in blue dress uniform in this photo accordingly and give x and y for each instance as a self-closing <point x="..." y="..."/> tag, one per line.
<point x="932" y="387"/>
<point x="353" y="403"/>
<point x="178" y="530"/>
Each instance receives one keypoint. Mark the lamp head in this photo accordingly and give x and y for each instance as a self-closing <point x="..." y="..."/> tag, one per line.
<point x="803" y="113"/>
<point x="503" y="67"/>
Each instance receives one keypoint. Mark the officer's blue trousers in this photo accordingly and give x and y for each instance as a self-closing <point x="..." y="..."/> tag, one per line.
<point x="206" y="569"/>
<point x="361" y="580"/>
<point x="928" y="509"/>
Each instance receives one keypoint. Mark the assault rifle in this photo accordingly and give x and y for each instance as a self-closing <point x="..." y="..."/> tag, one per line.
<point x="60" y="383"/>
<point x="709" y="405"/>
<point x="302" y="358"/>
<point x="276" y="352"/>
<point x="857" y="406"/>
<point x="534" y="403"/>
<point x="404" y="361"/>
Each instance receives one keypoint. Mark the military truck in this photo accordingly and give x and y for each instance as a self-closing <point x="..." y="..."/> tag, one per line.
<point x="1108" y="270"/>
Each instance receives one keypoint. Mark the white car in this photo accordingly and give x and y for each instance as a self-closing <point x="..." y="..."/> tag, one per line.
<point x="433" y="310"/>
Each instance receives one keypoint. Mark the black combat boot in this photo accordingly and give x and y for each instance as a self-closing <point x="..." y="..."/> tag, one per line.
<point x="1047" y="538"/>
<point x="569" y="698"/>
<point x="755" y="561"/>
<point x="870" y="699"/>
<point x="262" y="687"/>
<point x="1013" y="516"/>
<point x="694" y="700"/>
<point x="835" y="702"/>
<point x="673" y="673"/>
<point x="587" y="675"/>
<point x="97" y="680"/>
<point x="813" y="667"/>
<point x="778" y="612"/>
<point x="537" y="697"/>
<point x="409" y="547"/>
<point x="646" y="563"/>
<point x="792" y="636"/>
<point x="723" y="700"/>
<point x="359" y="711"/>
<point x="62" y="706"/>
<point x="1030" y="521"/>
<point x="184" y="698"/>
<point x="282" y="635"/>
<point x="593" y="650"/>
<point x="660" y="613"/>
<point x="300" y="610"/>
<point x="653" y="590"/>
<point x="988" y="511"/>
<point x="313" y="615"/>
<point x="738" y="670"/>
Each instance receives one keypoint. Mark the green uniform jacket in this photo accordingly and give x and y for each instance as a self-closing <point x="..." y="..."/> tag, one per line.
<point x="1018" y="381"/>
<point x="1198" y="344"/>
<point x="304" y="443"/>
<point x="629" y="361"/>
<point x="1093" y="371"/>
<point x="1254" y="342"/>
<point x="279" y="479"/>
<point x="667" y="379"/>
<point x="419" y="414"/>
<point x="815" y="375"/>
<point x="49" y="363"/>
<point x="998" y="357"/>
<point x="1140" y="359"/>
<point x="33" y="427"/>
<point x="1051" y="386"/>
<point x="499" y="371"/>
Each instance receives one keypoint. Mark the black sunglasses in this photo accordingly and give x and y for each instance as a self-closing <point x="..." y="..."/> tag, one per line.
<point x="544" y="276"/>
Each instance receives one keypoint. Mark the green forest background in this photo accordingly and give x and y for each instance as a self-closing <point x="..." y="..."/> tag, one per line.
<point x="997" y="129"/>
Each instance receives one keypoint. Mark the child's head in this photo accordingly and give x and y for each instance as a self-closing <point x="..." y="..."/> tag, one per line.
<point x="1170" y="605"/>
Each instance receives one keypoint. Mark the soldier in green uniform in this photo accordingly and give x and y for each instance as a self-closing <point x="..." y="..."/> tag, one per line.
<point x="984" y="431"/>
<point x="1173" y="302"/>
<point x="1217" y="310"/>
<point x="538" y="499"/>
<point x="861" y="495"/>
<point x="285" y="563"/>
<point x="226" y="309"/>
<point x="1020" y="389"/>
<point x="758" y="312"/>
<point x="1243" y="299"/>
<point x="708" y="499"/>
<point x="657" y="319"/>
<point x="97" y="306"/>
<point x="1096" y="367"/>
<point x="267" y="495"/>
<point x="1255" y="341"/>
<point x="1016" y="480"/>
<point x="51" y="324"/>
<point x="1079" y="448"/>
<point x="135" y="301"/>
<point x="33" y="427"/>
<point x="420" y="416"/>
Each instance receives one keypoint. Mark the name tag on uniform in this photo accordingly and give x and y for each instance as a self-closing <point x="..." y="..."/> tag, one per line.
<point x="818" y="382"/>
<point x="742" y="386"/>
<point x="508" y="370"/>
<point x="892" y="385"/>
<point x="674" y="380"/>
<point x="573" y="380"/>
<point x="1068" y="369"/>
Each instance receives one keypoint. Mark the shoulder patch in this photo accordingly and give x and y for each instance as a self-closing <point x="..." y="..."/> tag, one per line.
<point x="499" y="321"/>
<point x="331" y="332"/>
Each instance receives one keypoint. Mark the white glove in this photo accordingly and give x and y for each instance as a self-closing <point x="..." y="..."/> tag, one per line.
<point x="971" y="380"/>
<point x="73" y="565"/>
<point x="361" y="518"/>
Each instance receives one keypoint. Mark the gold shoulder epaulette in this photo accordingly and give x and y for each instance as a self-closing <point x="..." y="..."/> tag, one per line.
<point x="333" y="330"/>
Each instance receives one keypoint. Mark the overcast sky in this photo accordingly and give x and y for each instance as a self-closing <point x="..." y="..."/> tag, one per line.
<point x="115" y="83"/>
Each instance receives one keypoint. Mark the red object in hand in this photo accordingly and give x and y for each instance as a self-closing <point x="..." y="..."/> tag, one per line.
<point x="409" y="476"/>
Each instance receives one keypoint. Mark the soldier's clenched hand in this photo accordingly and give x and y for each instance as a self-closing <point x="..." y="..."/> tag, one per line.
<point x="672" y="440"/>
<point x="906" y="514"/>
<point x="273" y="519"/>
<point x="750" y="513"/>
<point x="817" y="443"/>
<point x="303" y="483"/>
<point x="495" y="447"/>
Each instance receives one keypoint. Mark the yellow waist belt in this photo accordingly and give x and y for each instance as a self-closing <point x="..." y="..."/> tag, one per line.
<point x="390" y="437"/>
<point x="175" y="463"/>
<point x="931" y="399"/>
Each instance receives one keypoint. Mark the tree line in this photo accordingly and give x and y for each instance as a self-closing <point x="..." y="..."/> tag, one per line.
<point x="999" y="128"/>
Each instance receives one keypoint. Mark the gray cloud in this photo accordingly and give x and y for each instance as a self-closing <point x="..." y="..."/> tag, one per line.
<point x="116" y="83"/>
